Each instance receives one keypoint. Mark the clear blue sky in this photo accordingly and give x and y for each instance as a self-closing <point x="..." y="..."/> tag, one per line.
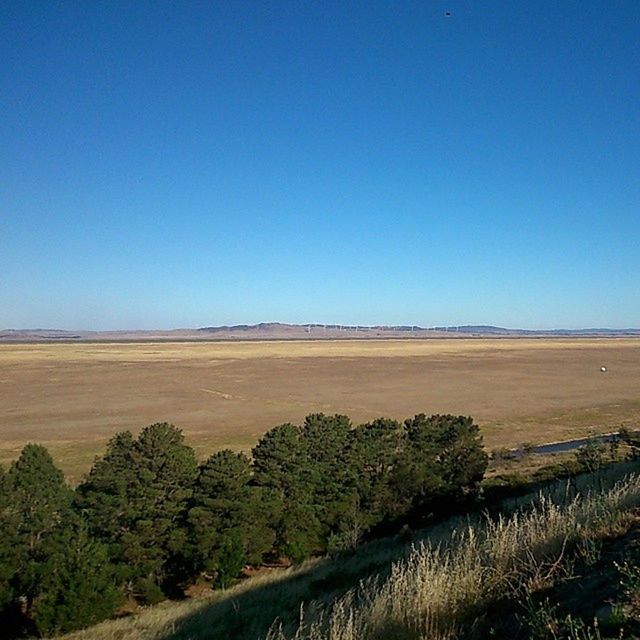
<point x="172" y="164"/>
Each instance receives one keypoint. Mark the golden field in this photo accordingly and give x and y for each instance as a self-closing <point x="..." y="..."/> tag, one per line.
<point x="74" y="397"/>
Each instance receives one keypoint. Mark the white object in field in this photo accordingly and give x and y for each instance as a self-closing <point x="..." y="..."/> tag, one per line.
<point x="603" y="369"/>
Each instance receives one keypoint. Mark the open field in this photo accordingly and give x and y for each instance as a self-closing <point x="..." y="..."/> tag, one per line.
<point x="73" y="397"/>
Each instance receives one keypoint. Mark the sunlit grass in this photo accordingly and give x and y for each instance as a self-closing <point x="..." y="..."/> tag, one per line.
<point x="442" y="587"/>
<point x="397" y="589"/>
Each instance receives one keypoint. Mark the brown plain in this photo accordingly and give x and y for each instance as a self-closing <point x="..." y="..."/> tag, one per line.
<point x="74" y="397"/>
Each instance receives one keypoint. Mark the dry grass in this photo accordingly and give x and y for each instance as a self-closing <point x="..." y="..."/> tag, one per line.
<point x="403" y="590"/>
<point x="73" y="397"/>
<point x="443" y="588"/>
<point x="164" y="620"/>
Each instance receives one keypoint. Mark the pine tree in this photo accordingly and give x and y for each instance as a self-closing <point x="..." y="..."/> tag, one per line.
<point x="9" y="555"/>
<point x="332" y="477"/>
<point x="277" y="458"/>
<point x="281" y="464"/>
<point x="229" y="517"/>
<point x="461" y="456"/>
<point x="445" y="459"/>
<point x="78" y="586"/>
<point x="40" y="505"/>
<point x="376" y="449"/>
<point x="136" y="498"/>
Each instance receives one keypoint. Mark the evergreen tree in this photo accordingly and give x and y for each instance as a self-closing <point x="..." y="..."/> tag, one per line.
<point x="230" y="558"/>
<point x="136" y="498"/>
<point x="106" y="493"/>
<point x="8" y="548"/>
<point x="78" y="586"/>
<point x="444" y="459"/>
<point x="229" y="517"/>
<point x="461" y="455"/>
<point x="40" y="505"/>
<point x="277" y="458"/>
<point x="376" y="449"/>
<point x="331" y="478"/>
<point x="156" y="517"/>
<point x="281" y="464"/>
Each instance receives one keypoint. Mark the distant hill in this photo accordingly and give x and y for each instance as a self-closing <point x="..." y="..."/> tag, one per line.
<point x="491" y="330"/>
<point x="314" y="331"/>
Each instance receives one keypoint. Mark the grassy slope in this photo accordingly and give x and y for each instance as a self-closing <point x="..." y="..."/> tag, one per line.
<point x="444" y="591"/>
<point x="397" y="588"/>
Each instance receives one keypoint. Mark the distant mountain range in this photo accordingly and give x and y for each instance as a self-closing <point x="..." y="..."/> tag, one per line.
<point x="315" y="331"/>
<point x="491" y="330"/>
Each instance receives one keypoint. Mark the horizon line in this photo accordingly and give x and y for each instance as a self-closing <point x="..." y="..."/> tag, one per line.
<point x="328" y="325"/>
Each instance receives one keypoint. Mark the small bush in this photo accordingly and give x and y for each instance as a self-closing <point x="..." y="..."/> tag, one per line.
<point x="502" y="454"/>
<point x="592" y="456"/>
<point x="231" y="559"/>
<point x="147" y="591"/>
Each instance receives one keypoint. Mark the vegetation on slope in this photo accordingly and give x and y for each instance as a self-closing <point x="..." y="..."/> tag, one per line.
<point x="248" y="610"/>
<point x="444" y="590"/>
<point x="147" y="521"/>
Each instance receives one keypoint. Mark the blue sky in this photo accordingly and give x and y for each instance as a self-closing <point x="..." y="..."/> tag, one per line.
<point x="174" y="164"/>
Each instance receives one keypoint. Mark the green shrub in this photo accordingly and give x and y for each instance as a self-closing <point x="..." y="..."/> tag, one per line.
<point x="147" y="591"/>
<point x="230" y="560"/>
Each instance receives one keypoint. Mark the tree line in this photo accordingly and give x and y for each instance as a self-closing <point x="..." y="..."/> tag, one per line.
<point x="148" y="519"/>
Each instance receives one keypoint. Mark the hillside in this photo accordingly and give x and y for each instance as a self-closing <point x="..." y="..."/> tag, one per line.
<point x="511" y="576"/>
<point x="284" y="331"/>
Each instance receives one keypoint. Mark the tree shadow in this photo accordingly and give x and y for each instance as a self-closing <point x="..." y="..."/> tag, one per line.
<point x="249" y="610"/>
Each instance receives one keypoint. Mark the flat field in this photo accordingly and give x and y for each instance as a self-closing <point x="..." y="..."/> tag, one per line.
<point x="74" y="397"/>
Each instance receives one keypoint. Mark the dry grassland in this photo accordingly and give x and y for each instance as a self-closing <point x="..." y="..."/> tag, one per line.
<point x="73" y="397"/>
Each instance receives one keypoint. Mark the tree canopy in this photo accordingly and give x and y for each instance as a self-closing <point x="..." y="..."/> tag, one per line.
<point x="148" y="519"/>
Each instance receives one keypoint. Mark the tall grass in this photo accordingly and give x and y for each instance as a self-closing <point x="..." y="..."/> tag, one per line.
<point x="434" y="587"/>
<point x="443" y="588"/>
